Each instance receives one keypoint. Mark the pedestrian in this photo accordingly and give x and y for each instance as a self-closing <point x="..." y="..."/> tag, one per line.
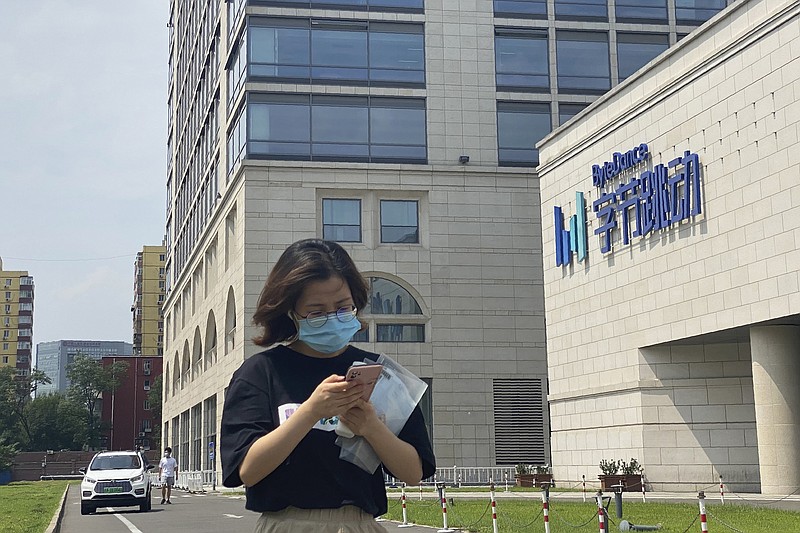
<point x="167" y="473"/>
<point x="277" y="438"/>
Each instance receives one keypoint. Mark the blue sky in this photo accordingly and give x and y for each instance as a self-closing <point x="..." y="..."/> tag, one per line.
<point x="82" y="155"/>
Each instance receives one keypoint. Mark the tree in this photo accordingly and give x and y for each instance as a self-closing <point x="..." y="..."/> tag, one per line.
<point x="88" y="380"/>
<point x="154" y="398"/>
<point x="56" y="423"/>
<point x="15" y="394"/>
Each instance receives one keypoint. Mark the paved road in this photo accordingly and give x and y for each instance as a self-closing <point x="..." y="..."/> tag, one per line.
<point x="189" y="513"/>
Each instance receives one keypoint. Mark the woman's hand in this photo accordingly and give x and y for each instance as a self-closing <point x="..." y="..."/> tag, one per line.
<point x="361" y="418"/>
<point x="333" y="397"/>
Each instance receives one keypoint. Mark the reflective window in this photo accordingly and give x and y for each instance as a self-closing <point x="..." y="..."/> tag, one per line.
<point x="405" y="321"/>
<point x="400" y="333"/>
<point x="341" y="220"/>
<point x="399" y="222"/>
<point x="337" y="128"/>
<point x="641" y="10"/>
<point x="385" y="5"/>
<point x="237" y="141"/>
<point x="521" y="8"/>
<point x="323" y="50"/>
<point x="521" y="59"/>
<point x="582" y="9"/>
<point x="520" y="125"/>
<point x="388" y="298"/>
<point x="697" y="11"/>
<point x="361" y="336"/>
<point x="567" y="111"/>
<point x="634" y="50"/>
<point x="583" y="61"/>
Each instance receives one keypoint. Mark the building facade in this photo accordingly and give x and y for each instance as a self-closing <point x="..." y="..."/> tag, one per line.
<point x="671" y="252"/>
<point x="404" y="130"/>
<point x="130" y="416"/>
<point x="54" y="357"/>
<point x="17" y="319"/>
<point x="149" y="291"/>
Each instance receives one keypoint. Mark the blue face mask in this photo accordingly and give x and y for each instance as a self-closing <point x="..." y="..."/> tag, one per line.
<point x="330" y="337"/>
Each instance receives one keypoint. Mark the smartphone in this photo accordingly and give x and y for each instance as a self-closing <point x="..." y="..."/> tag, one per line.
<point x="366" y="375"/>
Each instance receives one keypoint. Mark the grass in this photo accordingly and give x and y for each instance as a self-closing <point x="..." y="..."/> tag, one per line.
<point x="28" y="506"/>
<point x="520" y="516"/>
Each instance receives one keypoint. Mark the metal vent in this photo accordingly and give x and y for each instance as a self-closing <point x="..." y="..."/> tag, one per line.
<point x="519" y="421"/>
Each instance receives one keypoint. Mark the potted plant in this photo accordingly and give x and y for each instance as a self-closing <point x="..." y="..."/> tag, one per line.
<point x="627" y="474"/>
<point x="543" y="474"/>
<point x="533" y="475"/>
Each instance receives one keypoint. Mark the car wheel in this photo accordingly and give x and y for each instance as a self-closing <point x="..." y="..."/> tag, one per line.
<point x="147" y="504"/>
<point x="86" y="508"/>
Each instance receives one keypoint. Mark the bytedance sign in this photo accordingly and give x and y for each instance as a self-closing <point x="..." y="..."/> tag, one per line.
<point x="649" y="201"/>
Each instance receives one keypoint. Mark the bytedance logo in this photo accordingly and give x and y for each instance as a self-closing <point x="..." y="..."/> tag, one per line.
<point x="573" y="239"/>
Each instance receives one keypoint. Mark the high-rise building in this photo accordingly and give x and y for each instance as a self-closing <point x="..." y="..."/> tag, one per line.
<point x="17" y="319"/>
<point x="405" y="130"/>
<point x="54" y="357"/>
<point x="149" y="290"/>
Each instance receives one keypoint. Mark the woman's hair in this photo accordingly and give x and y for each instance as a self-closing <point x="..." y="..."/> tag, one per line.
<point x="302" y="262"/>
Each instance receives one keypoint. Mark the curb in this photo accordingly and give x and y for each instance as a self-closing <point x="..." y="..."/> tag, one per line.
<point x="55" y="523"/>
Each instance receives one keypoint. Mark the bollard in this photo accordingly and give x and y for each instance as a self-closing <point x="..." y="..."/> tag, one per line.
<point x="618" y="498"/>
<point x="545" y="508"/>
<point x="443" y="495"/>
<point x="601" y="514"/>
<point x="584" y="487"/>
<point x="420" y="492"/>
<point x="701" y="498"/>
<point x="403" y="500"/>
<point x="505" y="476"/>
<point x="644" y="498"/>
<point x="721" y="491"/>
<point x="494" y="509"/>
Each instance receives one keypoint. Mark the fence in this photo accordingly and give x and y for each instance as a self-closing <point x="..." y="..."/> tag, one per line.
<point x="192" y="481"/>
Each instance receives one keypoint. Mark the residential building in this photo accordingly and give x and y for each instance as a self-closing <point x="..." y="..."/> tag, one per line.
<point x="16" y="299"/>
<point x="671" y="234"/>
<point x="54" y="357"/>
<point x="149" y="290"/>
<point x="405" y="130"/>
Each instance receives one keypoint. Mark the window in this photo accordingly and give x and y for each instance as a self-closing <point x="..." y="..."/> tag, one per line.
<point x="394" y="311"/>
<point x="147" y="365"/>
<point x="372" y="5"/>
<point x="147" y="405"/>
<point x="697" y="11"/>
<point x="147" y="384"/>
<point x="337" y="128"/>
<point x="8" y="309"/>
<point x="162" y="257"/>
<point x="634" y="50"/>
<point x="641" y="10"/>
<point x="521" y="59"/>
<point x="324" y="50"/>
<point x="567" y="111"/>
<point x="5" y="359"/>
<point x="8" y="295"/>
<point x="210" y="424"/>
<point x="7" y="322"/>
<point x="361" y="336"/>
<point x="582" y="9"/>
<point x="583" y="61"/>
<point x="341" y="220"/>
<point x="399" y="221"/>
<point x="5" y="346"/>
<point x="400" y="333"/>
<point x="520" y="125"/>
<point x="197" y="436"/>
<point x="521" y="8"/>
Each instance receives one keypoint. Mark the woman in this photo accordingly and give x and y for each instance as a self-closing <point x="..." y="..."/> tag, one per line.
<point x="283" y="404"/>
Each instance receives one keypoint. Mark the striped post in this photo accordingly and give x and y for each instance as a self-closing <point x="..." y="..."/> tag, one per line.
<point x="420" y="492"/>
<point x="505" y="476"/>
<point x="721" y="491"/>
<point x="644" y="498"/>
<point x="584" y="487"/>
<point x="494" y="509"/>
<point x="405" y="513"/>
<point x="444" y="529"/>
<point x="701" y="498"/>
<point x="545" y="511"/>
<point x="601" y="515"/>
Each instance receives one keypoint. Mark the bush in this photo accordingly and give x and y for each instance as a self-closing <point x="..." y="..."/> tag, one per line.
<point x="609" y="467"/>
<point x="7" y="454"/>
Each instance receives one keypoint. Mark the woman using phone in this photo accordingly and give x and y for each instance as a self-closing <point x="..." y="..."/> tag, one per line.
<point x="284" y="404"/>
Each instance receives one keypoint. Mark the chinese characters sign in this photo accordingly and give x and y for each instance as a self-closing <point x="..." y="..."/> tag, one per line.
<point x="632" y="203"/>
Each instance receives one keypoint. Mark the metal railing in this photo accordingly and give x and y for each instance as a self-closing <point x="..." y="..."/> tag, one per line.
<point x="192" y="480"/>
<point x="468" y="475"/>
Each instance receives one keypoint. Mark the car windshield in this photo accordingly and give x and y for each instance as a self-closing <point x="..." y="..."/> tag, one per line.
<point x="115" y="462"/>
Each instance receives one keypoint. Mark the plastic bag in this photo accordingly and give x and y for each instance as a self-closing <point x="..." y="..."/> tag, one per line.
<point x="395" y="396"/>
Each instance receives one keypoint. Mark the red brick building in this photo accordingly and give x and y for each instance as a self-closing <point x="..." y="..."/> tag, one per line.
<point x="127" y="412"/>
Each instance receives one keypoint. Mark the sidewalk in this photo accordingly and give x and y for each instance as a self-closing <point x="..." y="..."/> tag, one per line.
<point x="394" y="526"/>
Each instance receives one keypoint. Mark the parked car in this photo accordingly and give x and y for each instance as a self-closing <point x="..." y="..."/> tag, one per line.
<point x="116" y="479"/>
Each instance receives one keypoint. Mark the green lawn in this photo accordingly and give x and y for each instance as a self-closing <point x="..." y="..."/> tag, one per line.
<point x="28" y="506"/>
<point x="519" y="516"/>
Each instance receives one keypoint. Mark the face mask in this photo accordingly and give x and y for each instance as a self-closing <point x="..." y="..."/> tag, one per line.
<point x="331" y="337"/>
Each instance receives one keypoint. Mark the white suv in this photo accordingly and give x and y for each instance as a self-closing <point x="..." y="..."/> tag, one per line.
<point x="116" y="479"/>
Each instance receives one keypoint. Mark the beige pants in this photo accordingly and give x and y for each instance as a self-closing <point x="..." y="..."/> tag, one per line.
<point x="347" y="519"/>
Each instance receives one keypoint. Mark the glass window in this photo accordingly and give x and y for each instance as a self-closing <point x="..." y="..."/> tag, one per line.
<point x="582" y="9"/>
<point x="634" y="50"/>
<point x="697" y="11"/>
<point x="341" y="220"/>
<point x="396" y="57"/>
<point x="361" y="336"/>
<point x="339" y="55"/>
<point x="521" y="60"/>
<point x="389" y="298"/>
<point x="399" y="223"/>
<point x="281" y="52"/>
<point x="641" y="10"/>
<point x="397" y="130"/>
<point x="340" y="128"/>
<point x="400" y="332"/>
<point x="582" y="61"/>
<point x="280" y="128"/>
<point x="567" y="111"/>
<point x="520" y="125"/>
<point x="388" y="5"/>
<point x="521" y="8"/>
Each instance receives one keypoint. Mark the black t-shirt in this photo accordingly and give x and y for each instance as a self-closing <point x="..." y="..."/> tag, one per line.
<point x="263" y="392"/>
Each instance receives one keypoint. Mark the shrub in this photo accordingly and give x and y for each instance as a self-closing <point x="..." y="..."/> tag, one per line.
<point x="609" y="467"/>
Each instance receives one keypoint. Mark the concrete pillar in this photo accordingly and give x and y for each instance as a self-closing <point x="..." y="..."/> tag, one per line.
<point x="776" y="373"/>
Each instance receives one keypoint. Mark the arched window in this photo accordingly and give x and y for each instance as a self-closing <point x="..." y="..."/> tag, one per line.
<point x="185" y="365"/>
<point x="211" y="340"/>
<point x="166" y="383"/>
<point x="176" y="373"/>
<point x="197" y="354"/>
<point x="230" y="322"/>
<point x="393" y="314"/>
